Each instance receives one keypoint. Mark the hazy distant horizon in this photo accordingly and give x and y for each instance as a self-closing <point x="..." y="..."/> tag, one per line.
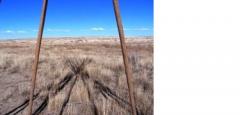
<point x="74" y="37"/>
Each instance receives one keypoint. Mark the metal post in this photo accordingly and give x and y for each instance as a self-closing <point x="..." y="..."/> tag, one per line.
<point x="37" y="52"/>
<point x="128" y="71"/>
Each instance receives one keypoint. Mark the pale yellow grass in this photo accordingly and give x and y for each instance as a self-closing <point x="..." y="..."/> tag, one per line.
<point x="106" y="67"/>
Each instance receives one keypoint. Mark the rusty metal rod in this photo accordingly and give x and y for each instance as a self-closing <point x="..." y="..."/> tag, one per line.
<point x="37" y="52"/>
<point x="128" y="68"/>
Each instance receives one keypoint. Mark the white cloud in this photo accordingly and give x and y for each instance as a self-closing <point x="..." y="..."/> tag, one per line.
<point x="21" y="31"/>
<point x="58" y="30"/>
<point x="14" y="31"/>
<point x="8" y="31"/>
<point x="97" y="29"/>
<point x="144" y="29"/>
<point x="137" y="29"/>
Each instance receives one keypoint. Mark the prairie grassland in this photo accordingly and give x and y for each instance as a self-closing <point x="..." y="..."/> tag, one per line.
<point x="76" y="76"/>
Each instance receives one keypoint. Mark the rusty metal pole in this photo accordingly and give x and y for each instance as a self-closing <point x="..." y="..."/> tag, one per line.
<point x="128" y="68"/>
<point x="37" y="52"/>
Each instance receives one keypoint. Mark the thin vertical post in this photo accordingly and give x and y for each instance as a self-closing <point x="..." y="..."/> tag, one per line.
<point x="37" y="52"/>
<point x="127" y="66"/>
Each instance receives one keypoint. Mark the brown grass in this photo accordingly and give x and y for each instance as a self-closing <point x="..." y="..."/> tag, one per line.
<point x="76" y="76"/>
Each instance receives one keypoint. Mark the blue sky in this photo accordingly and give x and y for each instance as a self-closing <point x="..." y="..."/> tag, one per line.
<point x="20" y="18"/>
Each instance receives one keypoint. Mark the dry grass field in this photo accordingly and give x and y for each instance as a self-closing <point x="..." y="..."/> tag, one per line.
<point x="76" y="76"/>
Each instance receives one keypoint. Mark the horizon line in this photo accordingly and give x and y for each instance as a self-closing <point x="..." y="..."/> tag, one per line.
<point x="52" y="37"/>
